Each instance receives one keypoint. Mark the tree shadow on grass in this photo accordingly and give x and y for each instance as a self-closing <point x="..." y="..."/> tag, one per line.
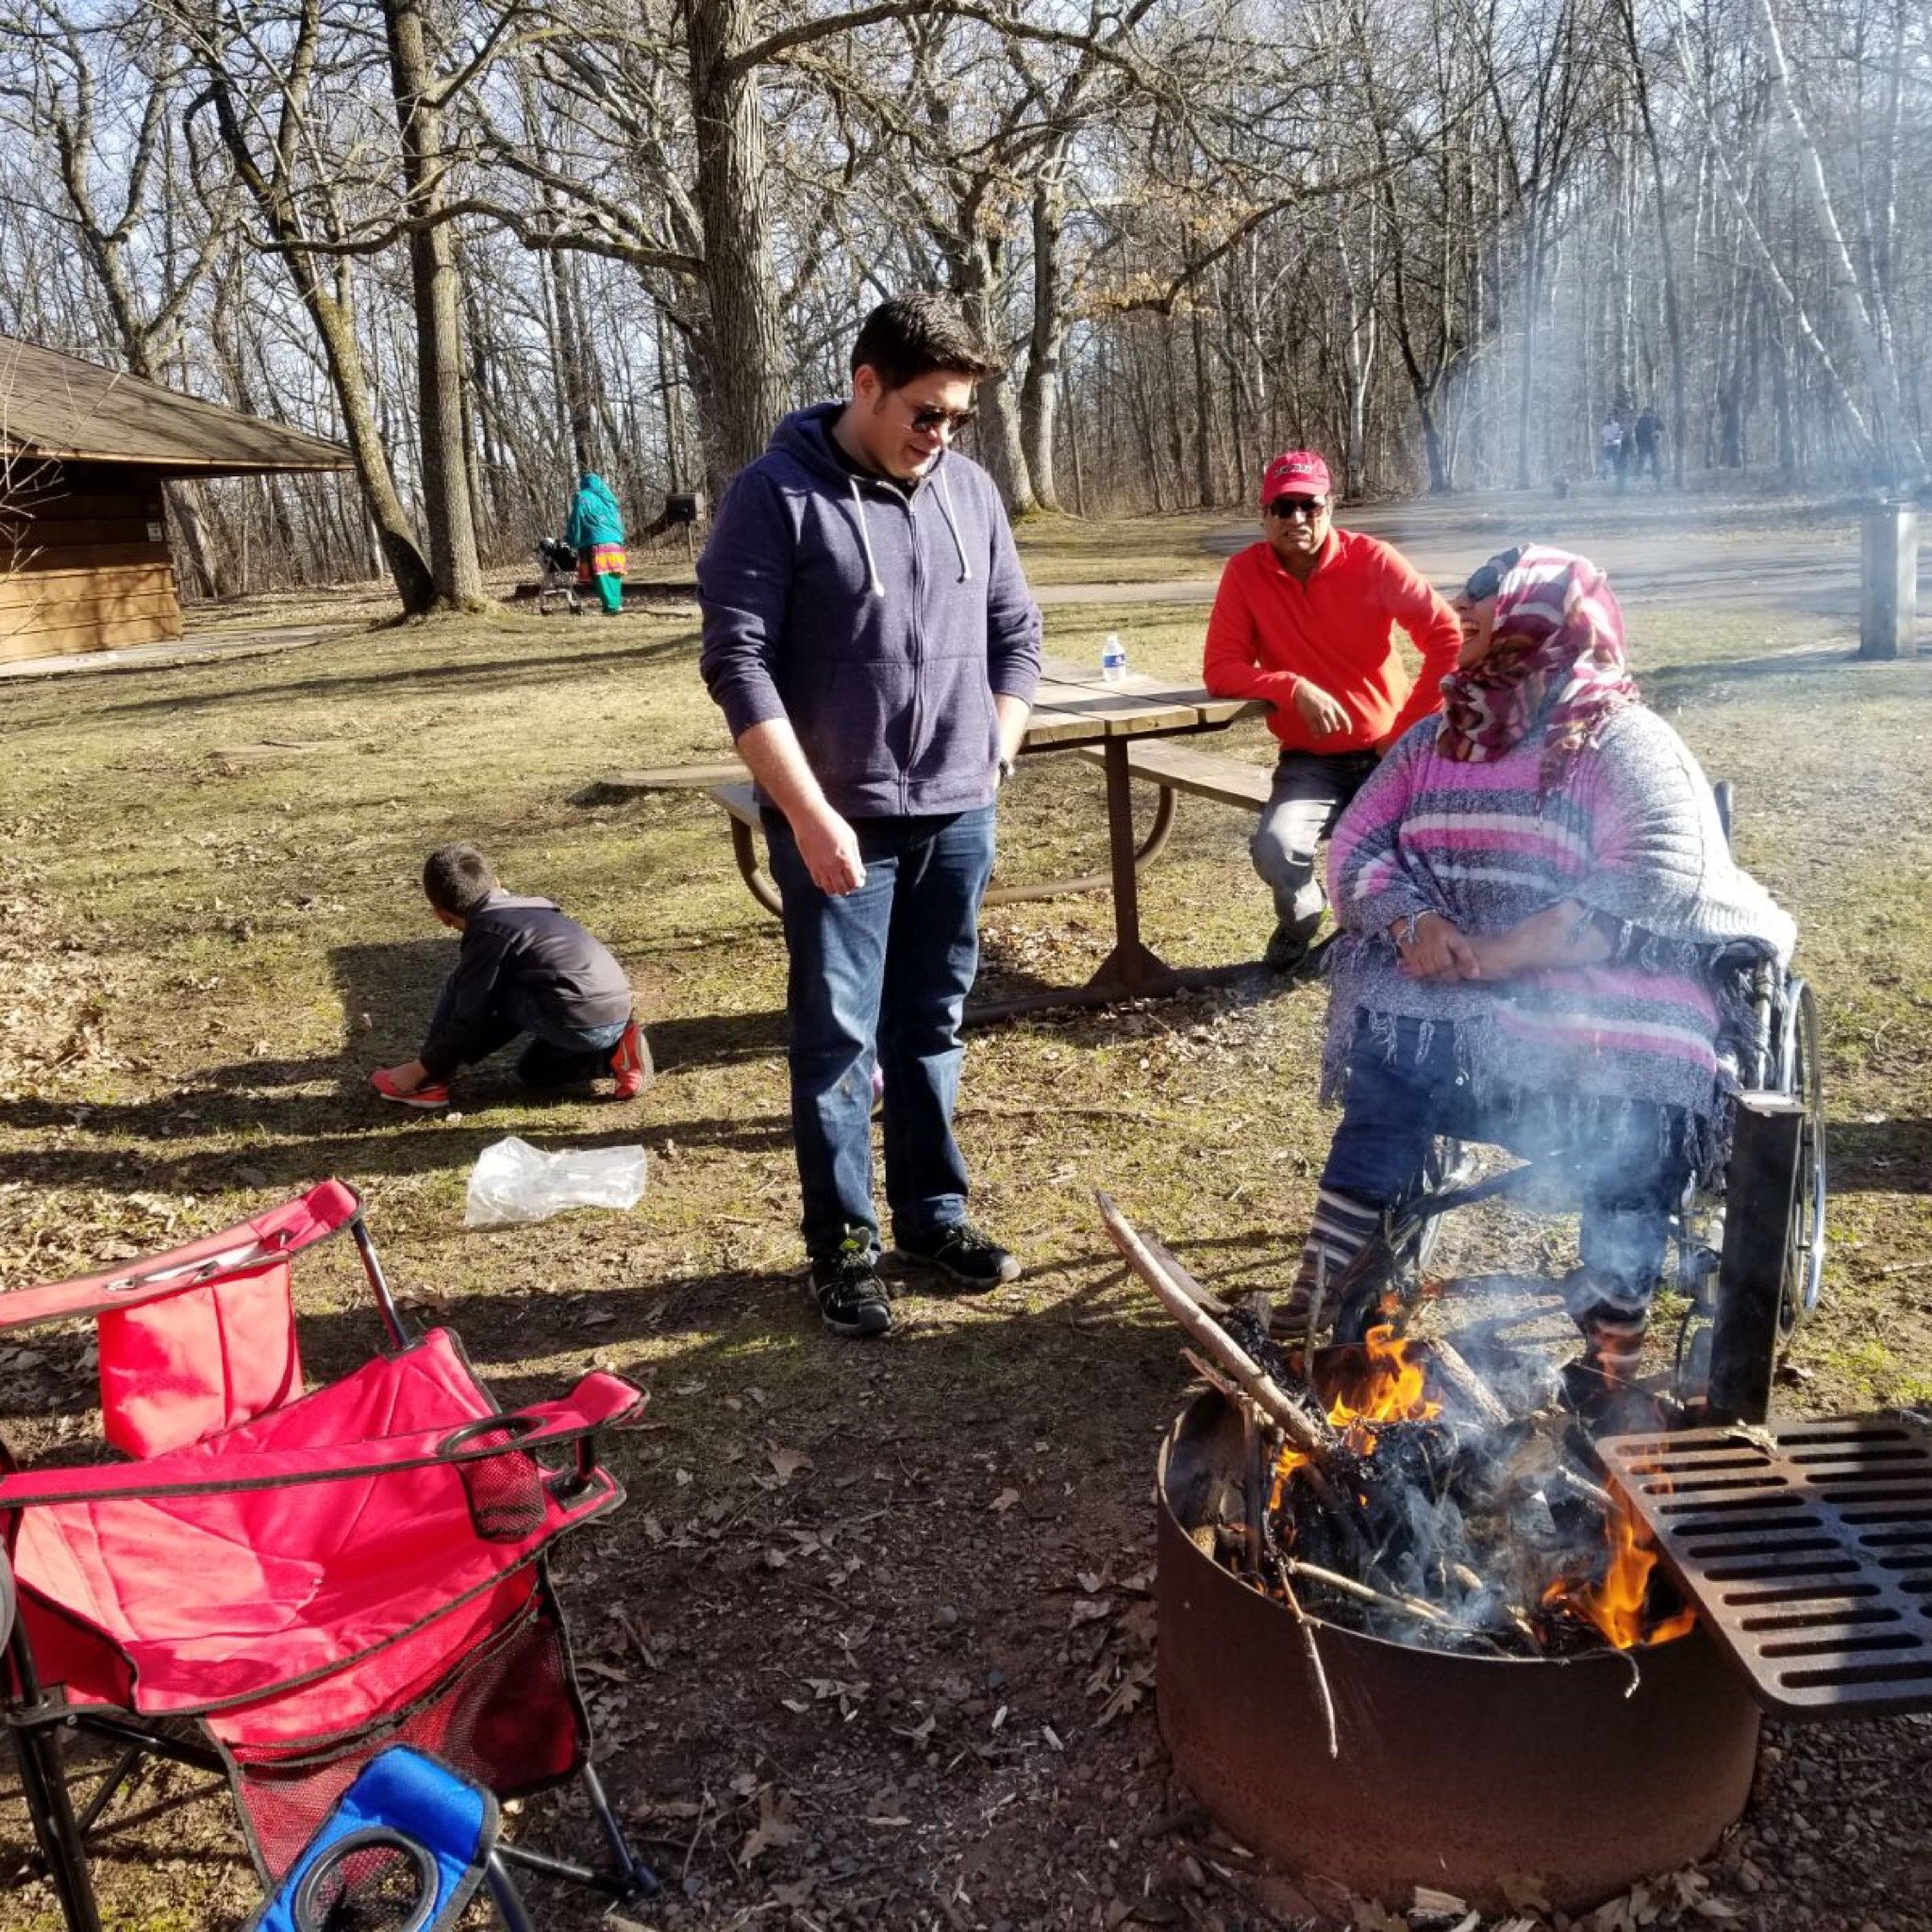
<point x="1889" y="1156"/>
<point x="1679" y="684"/>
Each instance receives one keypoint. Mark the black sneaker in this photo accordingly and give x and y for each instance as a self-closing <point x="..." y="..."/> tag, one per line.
<point x="851" y="1298"/>
<point x="974" y="1259"/>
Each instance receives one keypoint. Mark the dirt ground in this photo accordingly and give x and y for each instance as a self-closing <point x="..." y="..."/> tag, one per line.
<point x="872" y="1644"/>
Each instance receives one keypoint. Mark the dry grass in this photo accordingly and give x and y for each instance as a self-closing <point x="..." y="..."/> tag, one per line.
<point x="235" y="941"/>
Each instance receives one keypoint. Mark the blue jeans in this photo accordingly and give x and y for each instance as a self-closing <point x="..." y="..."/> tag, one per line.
<point x="1632" y="1174"/>
<point x="880" y="976"/>
<point x="558" y="1055"/>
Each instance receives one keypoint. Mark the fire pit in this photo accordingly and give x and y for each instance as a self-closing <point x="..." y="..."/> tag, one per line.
<point x="1488" y="1777"/>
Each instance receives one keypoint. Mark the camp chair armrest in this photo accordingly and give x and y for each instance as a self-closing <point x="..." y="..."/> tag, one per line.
<point x="326" y="1209"/>
<point x="598" y="1402"/>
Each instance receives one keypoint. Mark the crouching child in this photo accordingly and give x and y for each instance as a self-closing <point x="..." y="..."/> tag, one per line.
<point x="524" y="968"/>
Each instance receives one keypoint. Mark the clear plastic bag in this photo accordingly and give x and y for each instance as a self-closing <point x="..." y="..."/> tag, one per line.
<point x="513" y="1182"/>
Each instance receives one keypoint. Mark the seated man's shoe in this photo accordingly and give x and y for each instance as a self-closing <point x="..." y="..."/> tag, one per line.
<point x="974" y="1259"/>
<point x="845" y="1285"/>
<point x="430" y="1094"/>
<point x="630" y="1062"/>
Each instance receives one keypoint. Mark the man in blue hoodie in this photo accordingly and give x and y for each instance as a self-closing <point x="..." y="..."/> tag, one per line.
<point x="869" y="637"/>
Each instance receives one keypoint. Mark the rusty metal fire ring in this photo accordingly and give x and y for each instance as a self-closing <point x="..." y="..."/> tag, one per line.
<point x="1493" y="1778"/>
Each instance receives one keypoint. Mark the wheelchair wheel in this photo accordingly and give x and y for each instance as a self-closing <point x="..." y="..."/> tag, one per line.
<point x="1386" y="1269"/>
<point x="1447" y="1164"/>
<point x="1799" y="1076"/>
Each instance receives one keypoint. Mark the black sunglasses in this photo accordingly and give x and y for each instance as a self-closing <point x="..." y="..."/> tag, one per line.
<point x="950" y="421"/>
<point x="1486" y="578"/>
<point x="1310" y="506"/>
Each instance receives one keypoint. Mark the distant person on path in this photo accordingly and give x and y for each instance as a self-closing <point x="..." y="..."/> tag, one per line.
<point x="523" y="968"/>
<point x="1647" y="433"/>
<point x="594" y="529"/>
<point x="1305" y="618"/>
<point x="1610" y="448"/>
<point x="869" y="635"/>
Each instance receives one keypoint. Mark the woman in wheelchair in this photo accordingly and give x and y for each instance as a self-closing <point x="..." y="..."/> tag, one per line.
<point x="1540" y="926"/>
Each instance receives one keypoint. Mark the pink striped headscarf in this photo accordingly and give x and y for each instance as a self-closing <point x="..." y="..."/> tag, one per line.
<point x="1557" y="661"/>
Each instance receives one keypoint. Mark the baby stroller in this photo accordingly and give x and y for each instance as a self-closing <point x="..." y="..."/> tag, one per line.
<point x="557" y="588"/>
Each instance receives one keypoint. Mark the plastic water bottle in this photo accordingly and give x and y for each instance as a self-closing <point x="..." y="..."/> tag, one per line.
<point x="1113" y="659"/>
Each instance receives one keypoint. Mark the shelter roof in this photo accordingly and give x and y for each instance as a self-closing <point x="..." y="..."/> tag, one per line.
<point x="53" y="405"/>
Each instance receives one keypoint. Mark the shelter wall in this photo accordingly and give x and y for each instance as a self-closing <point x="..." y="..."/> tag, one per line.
<point x="83" y="562"/>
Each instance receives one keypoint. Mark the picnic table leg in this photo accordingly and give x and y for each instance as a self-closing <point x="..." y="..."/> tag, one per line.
<point x="1150" y="849"/>
<point x="746" y="852"/>
<point x="1130" y="969"/>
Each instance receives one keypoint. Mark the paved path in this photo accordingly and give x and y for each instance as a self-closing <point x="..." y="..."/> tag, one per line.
<point x="1654" y="547"/>
<point x="205" y="649"/>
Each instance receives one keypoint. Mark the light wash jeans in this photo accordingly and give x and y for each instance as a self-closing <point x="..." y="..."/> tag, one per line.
<point x="1311" y="789"/>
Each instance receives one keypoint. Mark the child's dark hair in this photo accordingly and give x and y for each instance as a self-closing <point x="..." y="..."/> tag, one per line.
<point x="910" y="336"/>
<point x="457" y="879"/>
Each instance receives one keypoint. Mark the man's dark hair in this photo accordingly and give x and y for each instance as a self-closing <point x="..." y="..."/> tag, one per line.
<point x="457" y="879"/>
<point x="910" y="336"/>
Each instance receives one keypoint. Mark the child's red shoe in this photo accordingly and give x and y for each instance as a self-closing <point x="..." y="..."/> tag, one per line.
<point x="630" y="1062"/>
<point x="430" y="1094"/>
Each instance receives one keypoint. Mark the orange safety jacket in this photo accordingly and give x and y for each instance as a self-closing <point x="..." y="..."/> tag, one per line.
<point x="1269" y="631"/>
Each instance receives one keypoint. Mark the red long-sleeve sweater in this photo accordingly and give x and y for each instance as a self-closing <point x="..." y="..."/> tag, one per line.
<point x="1269" y="631"/>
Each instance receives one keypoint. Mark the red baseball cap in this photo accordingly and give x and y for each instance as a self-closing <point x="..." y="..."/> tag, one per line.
<point x="1294" y="473"/>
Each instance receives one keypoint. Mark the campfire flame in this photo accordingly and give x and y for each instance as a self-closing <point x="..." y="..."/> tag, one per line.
<point x="1395" y="1389"/>
<point x="1615" y="1603"/>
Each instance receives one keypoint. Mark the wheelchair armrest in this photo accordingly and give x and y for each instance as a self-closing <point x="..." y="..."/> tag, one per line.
<point x="598" y="1402"/>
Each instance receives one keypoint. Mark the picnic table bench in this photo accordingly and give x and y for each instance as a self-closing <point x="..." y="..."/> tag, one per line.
<point x="1128" y="727"/>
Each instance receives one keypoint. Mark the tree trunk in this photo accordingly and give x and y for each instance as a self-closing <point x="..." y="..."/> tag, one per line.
<point x="1898" y="448"/>
<point x="1673" y="325"/>
<point x="1204" y="418"/>
<point x="436" y="286"/>
<point x="1040" y="391"/>
<point x="334" y="318"/>
<point x="748" y="387"/>
<point x="976" y="269"/>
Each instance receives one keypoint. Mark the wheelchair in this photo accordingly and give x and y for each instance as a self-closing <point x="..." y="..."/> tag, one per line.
<point x="1384" y="1283"/>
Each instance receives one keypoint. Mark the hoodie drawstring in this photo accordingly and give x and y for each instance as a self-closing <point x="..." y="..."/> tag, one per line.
<point x="874" y="585"/>
<point x="946" y="512"/>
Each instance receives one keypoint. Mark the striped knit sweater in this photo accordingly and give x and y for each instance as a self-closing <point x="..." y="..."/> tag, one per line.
<point x="1631" y="832"/>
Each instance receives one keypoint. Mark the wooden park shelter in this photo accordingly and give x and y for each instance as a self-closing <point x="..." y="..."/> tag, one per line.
<point x="84" y="560"/>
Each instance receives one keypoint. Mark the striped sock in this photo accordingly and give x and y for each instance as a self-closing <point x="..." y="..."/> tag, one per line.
<point x="1343" y="1225"/>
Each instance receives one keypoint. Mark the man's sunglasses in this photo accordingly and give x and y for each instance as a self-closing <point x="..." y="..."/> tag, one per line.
<point x="1310" y="507"/>
<point x="950" y="421"/>
<point x="1487" y="579"/>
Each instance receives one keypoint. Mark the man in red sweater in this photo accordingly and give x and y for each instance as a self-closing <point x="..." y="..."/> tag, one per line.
<point x="1306" y="620"/>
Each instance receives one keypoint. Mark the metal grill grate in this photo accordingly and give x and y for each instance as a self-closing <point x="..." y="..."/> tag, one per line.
<point x="1807" y="1550"/>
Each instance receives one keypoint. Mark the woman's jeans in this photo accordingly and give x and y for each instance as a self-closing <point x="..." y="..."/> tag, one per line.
<point x="880" y="976"/>
<point x="557" y="1056"/>
<point x="1632" y="1174"/>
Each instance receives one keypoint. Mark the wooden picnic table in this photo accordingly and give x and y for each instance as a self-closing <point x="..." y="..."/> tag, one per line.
<point x="1078" y="710"/>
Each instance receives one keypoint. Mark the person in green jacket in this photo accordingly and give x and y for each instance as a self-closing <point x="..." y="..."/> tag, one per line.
<point x="594" y="529"/>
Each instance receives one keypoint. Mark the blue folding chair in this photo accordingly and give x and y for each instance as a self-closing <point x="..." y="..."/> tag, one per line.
<point x="404" y="1851"/>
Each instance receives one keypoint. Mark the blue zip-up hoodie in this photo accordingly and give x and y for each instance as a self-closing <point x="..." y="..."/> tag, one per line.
<point x="879" y="618"/>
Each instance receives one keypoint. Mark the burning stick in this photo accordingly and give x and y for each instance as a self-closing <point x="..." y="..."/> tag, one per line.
<point x="1457" y="1374"/>
<point x="1590" y="1492"/>
<point x="1317" y="1670"/>
<point x="1405" y="1605"/>
<point x="1234" y="1361"/>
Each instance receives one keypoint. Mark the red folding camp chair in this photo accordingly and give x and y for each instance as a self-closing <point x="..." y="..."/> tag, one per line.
<point x="279" y="1585"/>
